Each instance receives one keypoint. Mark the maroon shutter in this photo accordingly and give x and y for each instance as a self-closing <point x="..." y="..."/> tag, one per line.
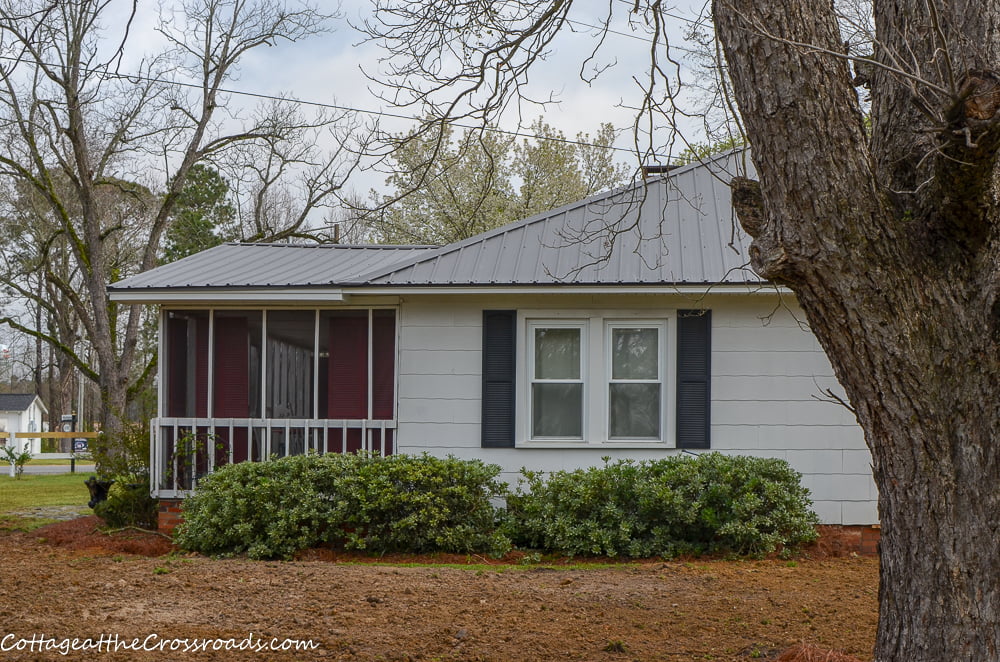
<point x="347" y="373"/>
<point x="383" y="363"/>
<point x="231" y="367"/>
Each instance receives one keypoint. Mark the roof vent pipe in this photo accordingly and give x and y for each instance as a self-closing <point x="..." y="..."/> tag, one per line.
<point x="656" y="169"/>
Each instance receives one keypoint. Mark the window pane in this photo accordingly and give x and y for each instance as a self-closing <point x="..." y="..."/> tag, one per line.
<point x="634" y="354"/>
<point x="557" y="410"/>
<point x="634" y="411"/>
<point x="557" y="353"/>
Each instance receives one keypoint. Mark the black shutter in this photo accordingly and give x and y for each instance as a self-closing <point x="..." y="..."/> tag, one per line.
<point x="499" y="333"/>
<point x="694" y="364"/>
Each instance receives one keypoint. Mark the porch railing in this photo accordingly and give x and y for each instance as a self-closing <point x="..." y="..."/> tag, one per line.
<point x="184" y="450"/>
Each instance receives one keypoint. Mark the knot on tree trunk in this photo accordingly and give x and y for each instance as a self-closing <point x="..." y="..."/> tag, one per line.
<point x="749" y="204"/>
<point x="980" y="94"/>
<point x="767" y="256"/>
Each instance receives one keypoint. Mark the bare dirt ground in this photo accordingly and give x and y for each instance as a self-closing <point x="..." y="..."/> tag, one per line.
<point x="69" y="581"/>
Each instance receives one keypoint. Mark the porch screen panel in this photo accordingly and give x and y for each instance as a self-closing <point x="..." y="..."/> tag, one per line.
<point x="290" y="339"/>
<point x="347" y="365"/>
<point x="235" y="381"/>
<point x="383" y="363"/>
<point x="232" y="367"/>
<point x="187" y="363"/>
<point x="176" y="365"/>
<point x="201" y="367"/>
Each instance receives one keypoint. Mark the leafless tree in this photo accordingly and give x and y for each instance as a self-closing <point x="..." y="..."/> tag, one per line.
<point x="76" y="124"/>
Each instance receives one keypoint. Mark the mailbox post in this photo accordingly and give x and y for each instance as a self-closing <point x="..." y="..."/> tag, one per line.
<point x="68" y="424"/>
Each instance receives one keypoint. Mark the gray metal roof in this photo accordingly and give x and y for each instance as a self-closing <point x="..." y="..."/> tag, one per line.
<point x="16" y="401"/>
<point x="676" y="229"/>
<point x="272" y="265"/>
<point x="672" y="230"/>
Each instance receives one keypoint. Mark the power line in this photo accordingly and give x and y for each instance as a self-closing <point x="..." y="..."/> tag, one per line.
<point x="383" y="113"/>
<point x="333" y="106"/>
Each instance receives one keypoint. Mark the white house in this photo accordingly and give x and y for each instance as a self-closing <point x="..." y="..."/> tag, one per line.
<point x="624" y="325"/>
<point x="22" y="412"/>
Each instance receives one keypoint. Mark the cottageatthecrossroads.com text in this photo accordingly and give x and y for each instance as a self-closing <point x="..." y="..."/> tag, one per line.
<point x="110" y="643"/>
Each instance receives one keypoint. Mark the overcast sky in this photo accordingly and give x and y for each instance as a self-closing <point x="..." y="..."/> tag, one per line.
<point x="327" y="69"/>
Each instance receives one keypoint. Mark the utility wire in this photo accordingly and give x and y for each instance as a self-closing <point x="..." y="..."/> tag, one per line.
<point x="384" y="113"/>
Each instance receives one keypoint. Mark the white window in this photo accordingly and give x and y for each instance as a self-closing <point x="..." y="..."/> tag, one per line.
<point x="557" y="379"/>
<point x="595" y="378"/>
<point x="635" y="384"/>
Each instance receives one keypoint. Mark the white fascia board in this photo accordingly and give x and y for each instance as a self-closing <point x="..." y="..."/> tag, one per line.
<point x="752" y="289"/>
<point x="223" y="295"/>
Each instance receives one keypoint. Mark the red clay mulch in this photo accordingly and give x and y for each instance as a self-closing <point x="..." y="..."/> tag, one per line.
<point x="69" y="579"/>
<point x="86" y="534"/>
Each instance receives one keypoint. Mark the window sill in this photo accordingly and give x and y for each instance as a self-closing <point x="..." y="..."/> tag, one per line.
<point x="596" y="445"/>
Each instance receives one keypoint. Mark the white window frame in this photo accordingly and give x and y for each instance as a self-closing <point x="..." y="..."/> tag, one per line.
<point x="534" y="325"/>
<point x="661" y="362"/>
<point x="596" y="374"/>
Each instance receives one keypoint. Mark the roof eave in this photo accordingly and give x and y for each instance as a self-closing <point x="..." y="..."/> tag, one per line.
<point x="158" y="295"/>
<point x="340" y="294"/>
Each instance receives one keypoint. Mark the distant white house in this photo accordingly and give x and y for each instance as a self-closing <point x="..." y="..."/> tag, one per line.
<point x="625" y="325"/>
<point x="22" y="412"/>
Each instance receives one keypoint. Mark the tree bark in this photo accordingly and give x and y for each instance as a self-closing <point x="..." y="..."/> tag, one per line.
<point x="890" y="243"/>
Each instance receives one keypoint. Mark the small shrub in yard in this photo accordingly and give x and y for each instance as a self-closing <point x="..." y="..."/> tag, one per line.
<point x="128" y="504"/>
<point x="681" y="504"/>
<point x="15" y="458"/>
<point x="396" y="503"/>
<point x="124" y="455"/>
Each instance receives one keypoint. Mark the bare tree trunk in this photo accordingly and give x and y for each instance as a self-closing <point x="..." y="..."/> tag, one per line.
<point x="891" y="246"/>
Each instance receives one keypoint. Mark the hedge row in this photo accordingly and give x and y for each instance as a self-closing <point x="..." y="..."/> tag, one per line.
<point x="682" y="504"/>
<point x="677" y="505"/>
<point x="396" y="503"/>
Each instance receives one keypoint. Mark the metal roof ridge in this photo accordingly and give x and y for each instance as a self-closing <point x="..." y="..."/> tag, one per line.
<point x="365" y="277"/>
<point x="343" y="246"/>
<point x="510" y="227"/>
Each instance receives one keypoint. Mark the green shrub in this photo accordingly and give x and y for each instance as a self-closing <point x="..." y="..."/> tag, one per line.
<point x="15" y="458"/>
<point x="420" y="504"/>
<point x="681" y="504"/>
<point x="128" y="504"/>
<point x="270" y="509"/>
<point x="400" y="502"/>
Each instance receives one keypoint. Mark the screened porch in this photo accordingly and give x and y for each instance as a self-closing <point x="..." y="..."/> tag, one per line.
<point x="249" y="385"/>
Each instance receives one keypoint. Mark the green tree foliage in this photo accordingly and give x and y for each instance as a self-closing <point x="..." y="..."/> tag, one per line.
<point x="201" y="214"/>
<point x="698" y="151"/>
<point x="446" y="187"/>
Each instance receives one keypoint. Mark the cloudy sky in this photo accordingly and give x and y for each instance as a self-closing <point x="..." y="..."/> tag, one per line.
<point x="328" y="69"/>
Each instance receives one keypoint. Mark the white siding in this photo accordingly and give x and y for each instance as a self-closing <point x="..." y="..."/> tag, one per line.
<point x="769" y="376"/>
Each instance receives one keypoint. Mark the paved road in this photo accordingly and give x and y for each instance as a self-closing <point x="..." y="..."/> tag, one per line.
<point x="51" y="469"/>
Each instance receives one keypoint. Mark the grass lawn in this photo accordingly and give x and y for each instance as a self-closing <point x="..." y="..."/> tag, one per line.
<point x="42" y="490"/>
